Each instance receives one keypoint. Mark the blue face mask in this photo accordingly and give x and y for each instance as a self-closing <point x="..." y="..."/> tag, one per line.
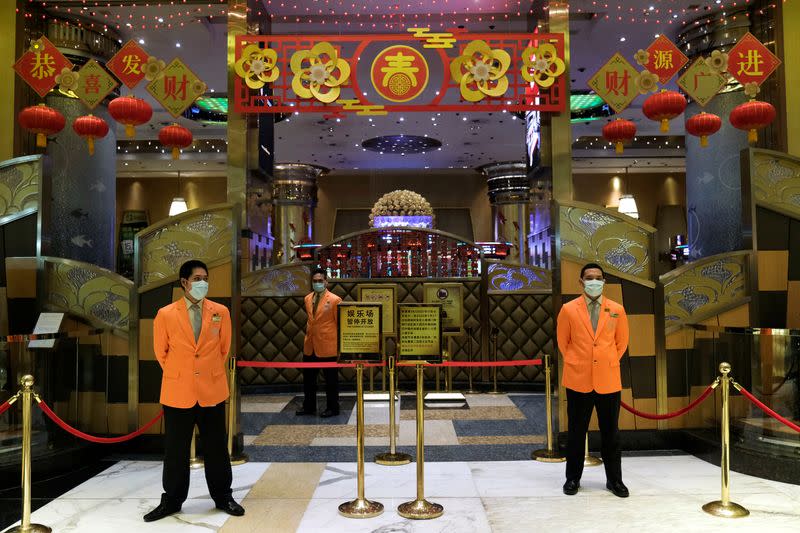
<point x="593" y="287"/>
<point x="199" y="289"/>
<point x="318" y="286"/>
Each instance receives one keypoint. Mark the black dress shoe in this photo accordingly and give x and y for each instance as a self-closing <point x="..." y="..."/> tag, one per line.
<point x="163" y="510"/>
<point x="304" y="412"/>
<point x="618" y="488"/>
<point x="231" y="507"/>
<point x="327" y="413"/>
<point x="571" y="487"/>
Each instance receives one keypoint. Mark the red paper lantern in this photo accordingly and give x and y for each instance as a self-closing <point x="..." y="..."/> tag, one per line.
<point x="131" y="112"/>
<point x="752" y="116"/>
<point x="90" y="128"/>
<point x="175" y="137"/>
<point x="618" y="132"/>
<point x="663" y="107"/>
<point x="703" y="125"/>
<point x="42" y="121"/>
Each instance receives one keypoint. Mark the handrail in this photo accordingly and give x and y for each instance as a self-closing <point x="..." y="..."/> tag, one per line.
<point x="667" y="277"/>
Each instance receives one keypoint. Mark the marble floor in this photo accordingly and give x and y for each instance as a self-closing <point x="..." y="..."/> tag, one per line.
<point x="667" y="493"/>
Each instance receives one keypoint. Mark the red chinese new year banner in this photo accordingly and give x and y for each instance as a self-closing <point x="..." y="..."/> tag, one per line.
<point x="418" y="71"/>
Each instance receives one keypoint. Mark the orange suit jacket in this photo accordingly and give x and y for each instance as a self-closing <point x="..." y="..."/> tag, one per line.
<point x="322" y="327"/>
<point x="591" y="359"/>
<point x="194" y="372"/>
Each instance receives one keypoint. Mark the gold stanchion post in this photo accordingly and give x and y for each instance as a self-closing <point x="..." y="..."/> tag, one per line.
<point x="360" y="507"/>
<point x="548" y="455"/>
<point x="590" y="460"/>
<point x="237" y="458"/>
<point x="420" y="509"/>
<point x="471" y="389"/>
<point x="392" y="458"/>
<point x="724" y="507"/>
<point x="448" y="384"/>
<point x="27" y="402"/>
<point x="194" y="460"/>
<point x="495" y="390"/>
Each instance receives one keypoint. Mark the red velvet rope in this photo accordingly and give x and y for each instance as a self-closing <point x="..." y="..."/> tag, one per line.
<point x="679" y="412"/>
<point x="786" y="422"/>
<point x="6" y="405"/>
<point x="526" y="362"/>
<point x="271" y="364"/>
<point x="91" y="438"/>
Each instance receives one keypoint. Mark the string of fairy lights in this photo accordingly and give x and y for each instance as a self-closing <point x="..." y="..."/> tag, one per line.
<point x="100" y="15"/>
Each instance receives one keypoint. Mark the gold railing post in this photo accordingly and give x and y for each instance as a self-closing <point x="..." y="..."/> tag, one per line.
<point x="27" y="402"/>
<point x="392" y="458"/>
<point x="420" y="509"/>
<point x="494" y="390"/>
<point x="724" y="507"/>
<point x="590" y="460"/>
<point x="548" y="455"/>
<point x="194" y="460"/>
<point x="360" y="507"/>
<point x="233" y="416"/>
<point x="471" y="389"/>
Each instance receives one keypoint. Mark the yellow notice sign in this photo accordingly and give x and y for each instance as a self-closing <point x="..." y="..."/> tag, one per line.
<point x="360" y="335"/>
<point x="386" y="295"/>
<point x="420" y="334"/>
<point x="450" y="296"/>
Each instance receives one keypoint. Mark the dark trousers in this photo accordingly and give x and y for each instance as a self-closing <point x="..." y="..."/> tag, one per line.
<point x="178" y="428"/>
<point x="579" y="411"/>
<point x="310" y="383"/>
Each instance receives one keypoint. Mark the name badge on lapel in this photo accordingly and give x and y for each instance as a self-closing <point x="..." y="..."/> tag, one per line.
<point x="612" y="315"/>
<point x="216" y="317"/>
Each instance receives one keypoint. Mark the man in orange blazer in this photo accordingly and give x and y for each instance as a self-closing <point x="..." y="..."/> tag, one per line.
<point x="592" y="337"/>
<point x="321" y="345"/>
<point x="192" y="338"/>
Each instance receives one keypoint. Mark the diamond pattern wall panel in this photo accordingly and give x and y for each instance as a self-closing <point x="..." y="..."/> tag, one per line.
<point x="526" y="330"/>
<point x="273" y="329"/>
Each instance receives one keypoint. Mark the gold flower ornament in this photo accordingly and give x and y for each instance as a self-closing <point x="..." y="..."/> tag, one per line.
<point x="642" y="57"/>
<point x="257" y="66"/>
<point x="541" y="65"/>
<point x="481" y="71"/>
<point x="751" y="89"/>
<point x="717" y="61"/>
<point x="646" y="82"/>
<point x="67" y="79"/>
<point x="152" y="68"/>
<point x="319" y="72"/>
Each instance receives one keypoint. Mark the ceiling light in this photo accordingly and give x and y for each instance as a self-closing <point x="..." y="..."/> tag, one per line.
<point x="622" y="39"/>
<point x="627" y="206"/>
<point x="177" y="45"/>
<point x="177" y="206"/>
<point x="141" y="41"/>
<point x="160" y="19"/>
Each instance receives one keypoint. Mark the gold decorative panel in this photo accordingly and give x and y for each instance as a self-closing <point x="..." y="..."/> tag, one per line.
<point x="20" y="180"/>
<point x="775" y="181"/>
<point x="205" y="234"/>
<point x="616" y="241"/>
<point x="506" y="278"/>
<point x="705" y="288"/>
<point x="292" y="279"/>
<point x="95" y="294"/>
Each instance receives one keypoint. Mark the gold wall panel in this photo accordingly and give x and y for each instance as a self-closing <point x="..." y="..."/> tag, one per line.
<point x="705" y="288"/>
<point x="292" y="279"/>
<point x="92" y="293"/>
<point x="20" y="179"/>
<point x="198" y="234"/>
<point x="619" y="243"/>
<point x="506" y="277"/>
<point x="775" y="181"/>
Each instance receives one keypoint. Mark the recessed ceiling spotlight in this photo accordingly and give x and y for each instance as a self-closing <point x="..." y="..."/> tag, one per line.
<point x="141" y="41"/>
<point x="177" y="45"/>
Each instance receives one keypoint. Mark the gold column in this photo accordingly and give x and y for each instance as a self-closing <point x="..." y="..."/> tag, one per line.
<point x="790" y="21"/>
<point x="294" y="196"/>
<point x="509" y="191"/>
<point x="557" y="132"/>
<point x="245" y="179"/>
<point x="8" y="55"/>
